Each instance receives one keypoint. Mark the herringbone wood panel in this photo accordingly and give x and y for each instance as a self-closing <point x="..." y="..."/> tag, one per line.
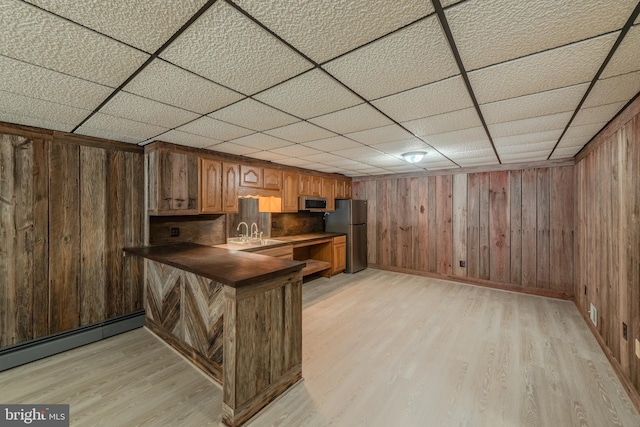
<point x="163" y="296"/>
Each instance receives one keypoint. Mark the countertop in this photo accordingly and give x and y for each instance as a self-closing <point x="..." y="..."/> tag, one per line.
<point x="233" y="268"/>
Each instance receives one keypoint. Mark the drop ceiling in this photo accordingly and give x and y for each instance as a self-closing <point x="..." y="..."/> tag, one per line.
<point x="335" y="86"/>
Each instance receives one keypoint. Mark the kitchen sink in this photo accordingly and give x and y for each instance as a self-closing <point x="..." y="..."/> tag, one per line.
<point x="252" y="241"/>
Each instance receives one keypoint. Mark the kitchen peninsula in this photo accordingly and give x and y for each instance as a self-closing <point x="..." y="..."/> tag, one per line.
<point x="236" y="315"/>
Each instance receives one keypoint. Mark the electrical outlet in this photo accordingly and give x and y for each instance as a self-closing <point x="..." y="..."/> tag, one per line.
<point x="463" y="264"/>
<point x="593" y="314"/>
<point x="624" y="331"/>
<point x="175" y="231"/>
<point x="637" y="348"/>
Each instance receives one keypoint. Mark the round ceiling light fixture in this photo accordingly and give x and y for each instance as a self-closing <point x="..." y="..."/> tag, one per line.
<point x="414" y="156"/>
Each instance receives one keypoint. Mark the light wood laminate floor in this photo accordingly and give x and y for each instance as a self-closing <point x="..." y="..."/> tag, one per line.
<point x="379" y="349"/>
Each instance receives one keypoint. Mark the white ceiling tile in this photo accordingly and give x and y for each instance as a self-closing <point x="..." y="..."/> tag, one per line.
<point x="492" y="32"/>
<point x="348" y="164"/>
<point x="231" y="148"/>
<point x="405" y="168"/>
<point x="528" y="139"/>
<point x="446" y="3"/>
<point x="212" y="128"/>
<point x="254" y="115"/>
<point x="602" y="113"/>
<point x="379" y="135"/>
<point x="296" y="150"/>
<point x="578" y="141"/>
<point x="23" y="110"/>
<point x="474" y="158"/>
<point x="372" y="171"/>
<point x="397" y="148"/>
<point x="447" y="122"/>
<point x="327" y="169"/>
<point x="456" y="137"/>
<point x="564" y="153"/>
<point x="292" y="161"/>
<point x="261" y="141"/>
<point x="552" y="69"/>
<point x="352" y="173"/>
<point x="188" y="139"/>
<point x="309" y="95"/>
<point x="300" y="132"/>
<point x="430" y="100"/>
<point x="171" y="85"/>
<point x="626" y="58"/>
<point x="134" y="107"/>
<point x="526" y="147"/>
<point x="357" y="152"/>
<point x="37" y="82"/>
<point x="323" y="30"/>
<point x="321" y="158"/>
<point x="267" y="155"/>
<point x="143" y="24"/>
<point x="530" y="156"/>
<point x="539" y="104"/>
<point x="414" y="56"/>
<point x="534" y="124"/>
<point x="382" y="160"/>
<point x="353" y="119"/>
<point x="332" y="144"/>
<point x="43" y="39"/>
<point x="454" y="150"/>
<point x="588" y="131"/>
<point x="119" y="129"/>
<point x="614" y="89"/>
<point x="227" y="47"/>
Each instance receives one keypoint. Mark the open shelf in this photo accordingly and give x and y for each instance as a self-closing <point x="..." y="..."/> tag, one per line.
<point x="313" y="266"/>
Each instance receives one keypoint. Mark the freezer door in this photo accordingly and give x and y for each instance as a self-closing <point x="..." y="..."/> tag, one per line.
<point x="357" y="248"/>
<point x="358" y="211"/>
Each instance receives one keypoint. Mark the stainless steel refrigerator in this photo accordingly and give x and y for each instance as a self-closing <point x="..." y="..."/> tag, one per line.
<point x="350" y="217"/>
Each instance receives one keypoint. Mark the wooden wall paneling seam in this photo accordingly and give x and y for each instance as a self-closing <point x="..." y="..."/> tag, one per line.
<point x="422" y="233"/>
<point x="459" y="224"/>
<point x="414" y="192"/>
<point x="432" y="240"/>
<point x="473" y="225"/>
<point x="116" y="188"/>
<point x="392" y="209"/>
<point x="404" y="231"/>
<point x="372" y="221"/>
<point x="562" y="196"/>
<point x="515" y="223"/>
<point x="529" y="228"/>
<point x="543" y="240"/>
<point x="485" y="249"/>
<point x="444" y="215"/>
<point x="41" y="238"/>
<point x="499" y="216"/>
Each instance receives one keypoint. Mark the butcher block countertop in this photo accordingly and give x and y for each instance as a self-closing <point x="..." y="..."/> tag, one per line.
<point x="233" y="268"/>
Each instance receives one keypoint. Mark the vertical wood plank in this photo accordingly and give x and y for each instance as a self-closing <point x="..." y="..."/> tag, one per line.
<point x="405" y="232"/>
<point x="562" y="219"/>
<point x="423" y="224"/>
<point x="485" y="255"/>
<point x="93" y="268"/>
<point x="8" y="247"/>
<point x="133" y="278"/>
<point x="444" y="185"/>
<point x="459" y="224"/>
<point x="473" y="225"/>
<point x="543" y="232"/>
<point x="529" y="224"/>
<point x="41" y="238"/>
<point x="384" y="241"/>
<point x="372" y="222"/>
<point x="116" y="188"/>
<point x="392" y="209"/>
<point x="515" y="222"/>
<point x="64" y="236"/>
<point x="432" y="240"/>
<point x="414" y="191"/>
<point x="165" y="180"/>
<point x="193" y="172"/>
<point x="499" y="227"/>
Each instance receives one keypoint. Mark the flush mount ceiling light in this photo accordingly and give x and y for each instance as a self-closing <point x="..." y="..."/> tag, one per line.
<point x="414" y="156"/>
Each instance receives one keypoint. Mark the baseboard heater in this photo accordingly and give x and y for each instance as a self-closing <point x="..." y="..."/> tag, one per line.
<point x="30" y="351"/>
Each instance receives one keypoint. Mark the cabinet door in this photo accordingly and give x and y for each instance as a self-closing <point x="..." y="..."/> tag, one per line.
<point x="328" y="189"/>
<point x="250" y="176"/>
<point x="230" y="187"/>
<point x="173" y="179"/>
<point x="272" y="179"/>
<point x="290" y="191"/>
<point x="339" y="262"/>
<point x="210" y="186"/>
<point x="339" y="188"/>
<point x="316" y="186"/>
<point x="347" y="189"/>
<point x="305" y="185"/>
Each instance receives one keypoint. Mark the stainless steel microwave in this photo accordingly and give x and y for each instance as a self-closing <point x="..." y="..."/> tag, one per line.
<point x="312" y="203"/>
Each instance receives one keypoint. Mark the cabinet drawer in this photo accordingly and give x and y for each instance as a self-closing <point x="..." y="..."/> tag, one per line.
<point x="339" y="239"/>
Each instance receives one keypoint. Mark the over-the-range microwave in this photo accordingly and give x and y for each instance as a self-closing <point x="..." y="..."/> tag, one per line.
<point x="312" y="204"/>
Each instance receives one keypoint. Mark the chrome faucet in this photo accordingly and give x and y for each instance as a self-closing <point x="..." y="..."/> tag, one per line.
<point x="254" y="230"/>
<point x="246" y="227"/>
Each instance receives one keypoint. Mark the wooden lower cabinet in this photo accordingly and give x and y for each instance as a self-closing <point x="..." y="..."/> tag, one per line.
<point x="339" y="261"/>
<point x="221" y="329"/>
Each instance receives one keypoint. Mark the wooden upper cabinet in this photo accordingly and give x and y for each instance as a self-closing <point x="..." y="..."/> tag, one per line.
<point x="343" y="189"/>
<point x="290" y="191"/>
<point x="328" y="191"/>
<point x="230" y="181"/>
<point x="310" y="185"/>
<point x="272" y="179"/>
<point x="250" y="176"/>
<point x="210" y="186"/>
<point x="173" y="183"/>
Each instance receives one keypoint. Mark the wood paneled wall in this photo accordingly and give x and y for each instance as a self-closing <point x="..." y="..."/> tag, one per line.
<point x="512" y="228"/>
<point x="608" y="237"/>
<point x="67" y="209"/>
